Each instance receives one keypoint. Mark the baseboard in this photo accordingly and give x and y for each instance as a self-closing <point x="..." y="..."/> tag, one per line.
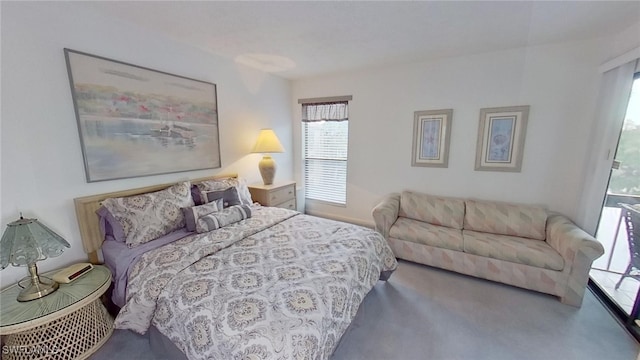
<point x="368" y="224"/>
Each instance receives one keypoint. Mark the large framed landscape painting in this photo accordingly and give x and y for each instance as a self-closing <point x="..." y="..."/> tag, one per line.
<point x="134" y="121"/>
<point x="501" y="135"/>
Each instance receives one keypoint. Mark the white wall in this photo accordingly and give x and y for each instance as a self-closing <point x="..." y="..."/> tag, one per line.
<point x="42" y="165"/>
<point x="624" y="41"/>
<point x="558" y="81"/>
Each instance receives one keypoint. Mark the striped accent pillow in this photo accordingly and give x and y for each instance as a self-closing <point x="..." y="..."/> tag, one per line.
<point x="193" y="213"/>
<point x="222" y="218"/>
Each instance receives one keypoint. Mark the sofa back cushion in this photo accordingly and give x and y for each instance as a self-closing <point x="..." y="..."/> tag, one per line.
<point x="435" y="210"/>
<point x="505" y="219"/>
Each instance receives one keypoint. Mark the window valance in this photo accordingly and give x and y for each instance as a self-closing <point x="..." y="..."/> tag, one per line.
<point x="335" y="111"/>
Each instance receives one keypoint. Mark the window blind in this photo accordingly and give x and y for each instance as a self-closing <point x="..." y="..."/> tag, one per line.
<point x="326" y="135"/>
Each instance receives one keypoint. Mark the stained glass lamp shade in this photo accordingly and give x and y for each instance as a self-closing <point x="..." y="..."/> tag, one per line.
<point x="24" y="242"/>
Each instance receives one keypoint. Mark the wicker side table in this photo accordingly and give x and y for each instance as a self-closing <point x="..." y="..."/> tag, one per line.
<point x="71" y="323"/>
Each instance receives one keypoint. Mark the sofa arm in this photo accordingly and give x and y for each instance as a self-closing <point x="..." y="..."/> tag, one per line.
<point x="578" y="249"/>
<point x="568" y="239"/>
<point x="386" y="213"/>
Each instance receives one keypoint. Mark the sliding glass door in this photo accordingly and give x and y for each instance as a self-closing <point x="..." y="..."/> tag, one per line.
<point x="617" y="273"/>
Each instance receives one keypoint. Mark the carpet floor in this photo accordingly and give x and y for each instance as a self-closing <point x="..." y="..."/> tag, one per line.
<point x="427" y="313"/>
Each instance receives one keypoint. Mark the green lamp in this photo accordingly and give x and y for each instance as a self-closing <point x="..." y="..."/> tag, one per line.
<point x="24" y="242"/>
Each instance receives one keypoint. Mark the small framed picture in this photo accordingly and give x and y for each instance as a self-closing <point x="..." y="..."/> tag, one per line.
<point x="431" y="134"/>
<point x="501" y="135"/>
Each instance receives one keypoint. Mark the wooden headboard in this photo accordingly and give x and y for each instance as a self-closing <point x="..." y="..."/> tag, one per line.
<point x="88" y="221"/>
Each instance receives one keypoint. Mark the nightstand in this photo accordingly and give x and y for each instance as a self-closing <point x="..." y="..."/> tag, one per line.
<point x="282" y="195"/>
<point x="71" y="323"/>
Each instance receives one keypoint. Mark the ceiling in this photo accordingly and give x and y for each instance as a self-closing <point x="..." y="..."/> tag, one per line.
<point x="310" y="38"/>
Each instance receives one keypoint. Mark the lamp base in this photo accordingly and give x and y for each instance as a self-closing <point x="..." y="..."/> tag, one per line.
<point x="267" y="168"/>
<point x="39" y="287"/>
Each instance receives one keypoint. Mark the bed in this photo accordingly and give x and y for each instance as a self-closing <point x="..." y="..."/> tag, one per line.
<point x="276" y="284"/>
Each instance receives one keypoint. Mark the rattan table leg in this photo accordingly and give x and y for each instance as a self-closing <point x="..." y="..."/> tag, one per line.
<point x="73" y="336"/>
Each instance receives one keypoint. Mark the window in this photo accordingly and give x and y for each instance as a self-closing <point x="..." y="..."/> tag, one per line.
<point x="625" y="179"/>
<point x="326" y="138"/>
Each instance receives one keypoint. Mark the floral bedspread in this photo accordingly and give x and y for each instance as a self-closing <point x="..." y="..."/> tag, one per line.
<point x="279" y="285"/>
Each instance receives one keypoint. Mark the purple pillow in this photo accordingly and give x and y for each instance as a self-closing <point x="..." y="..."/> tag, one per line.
<point x="230" y="196"/>
<point x="195" y="194"/>
<point x="109" y="226"/>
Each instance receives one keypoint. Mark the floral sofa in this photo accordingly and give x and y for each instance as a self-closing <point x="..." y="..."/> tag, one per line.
<point x="519" y="245"/>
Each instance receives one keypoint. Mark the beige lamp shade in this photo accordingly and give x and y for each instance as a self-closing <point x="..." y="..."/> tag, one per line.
<point x="267" y="143"/>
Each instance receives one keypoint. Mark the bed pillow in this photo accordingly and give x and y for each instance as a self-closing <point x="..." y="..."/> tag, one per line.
<point x="222" y="184"/>
<point x="109" y="226"/>
<point x="243" y="191"/>
<point x="195" y="194"/>
<point x="148" y="216"/>
<point x="222" y="218"/>
<point x="191" y="214"/>
<point x="228" y="196"/>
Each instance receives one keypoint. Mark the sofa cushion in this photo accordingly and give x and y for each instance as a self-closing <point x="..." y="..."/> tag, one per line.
<point x="435" y="210"/>
<point x="427" y="234"/>
<point x="513" y="249"/>
<point x="505" y="219"/>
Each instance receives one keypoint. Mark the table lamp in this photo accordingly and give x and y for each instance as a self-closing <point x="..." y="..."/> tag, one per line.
<point x="267" y="143"/>
<point x="24" y="242"/>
